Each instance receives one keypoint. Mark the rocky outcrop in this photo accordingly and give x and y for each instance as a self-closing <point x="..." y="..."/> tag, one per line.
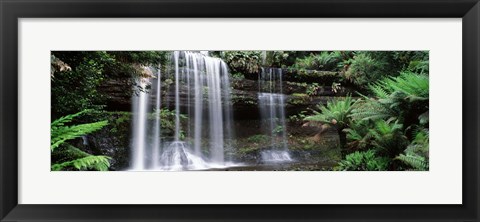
<point x="118" y="93"/>
<point x="300" y="93"/>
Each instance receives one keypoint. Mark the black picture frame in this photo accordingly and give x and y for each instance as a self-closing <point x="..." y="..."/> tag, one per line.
<point x="12" y="10"/>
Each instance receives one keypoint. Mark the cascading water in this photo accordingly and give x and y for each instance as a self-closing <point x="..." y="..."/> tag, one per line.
<point x="271" y="101"/>
<point x="140" y="104"/>
<point x="199" y="87"/>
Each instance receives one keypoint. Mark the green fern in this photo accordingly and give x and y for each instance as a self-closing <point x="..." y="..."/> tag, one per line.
<point x="392" y="97"/>
<point x="371" y="109"/>
<point x="358" y="135"/>
<point x="65" y="133"/>
<point x="416" y="154"/>
<point x="419" y="66"/>
<point x="328" y="60"/>
<point x="364" y="68"/>
<point x="79" y="159"/>
<point x="415" y="161"/>
<point x="67" y="152"/>
<point x="335" y="112"/>
<point x="363" y="161"/>
<point x="414" y="86"/>
<point x="100" y="163"/>
<point x="66" y="119"/>
<point x="388" y="137"/>
<point x="61" y="133"/>
<point x="381" y="122"/>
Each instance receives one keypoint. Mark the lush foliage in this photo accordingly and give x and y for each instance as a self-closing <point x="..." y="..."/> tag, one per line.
<point x="373" y="106"/>
<point x="416" y="154"/>
<point x="320" y="61"/>
<point x="381" y="124"/>
<point x="369" y="66"/>
<point x="335" y="112"/>
<point x="243" y="61"/>
<point x="363" y="161"/>
<point x="363" y="69"/>
<point x="60" y="132"/>
<point x="76" y="158"/>
<point x="403" y="98"/>
<point x="168" y="121"/>
<point x="77" y="76"/>
<point x="276" y="59"/>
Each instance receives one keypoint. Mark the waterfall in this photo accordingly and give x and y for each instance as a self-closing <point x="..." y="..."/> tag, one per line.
<point x="156" y="126"/>
<point x="271" y="102"/>
<point x="199" y="87"/>
<point x="140" y="104"/>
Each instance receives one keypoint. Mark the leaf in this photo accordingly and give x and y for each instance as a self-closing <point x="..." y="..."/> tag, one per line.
<point x="61" y="133"/>
<point x="100" y="163"/>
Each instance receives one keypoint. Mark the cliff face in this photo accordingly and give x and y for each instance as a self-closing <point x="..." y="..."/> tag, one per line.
<point x="304" y="89"/>
<point x="117" y="93"/>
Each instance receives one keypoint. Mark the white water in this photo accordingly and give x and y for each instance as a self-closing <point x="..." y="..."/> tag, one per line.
<point x="177" y="156"/>
<point x="201" y="91"/>
<point x="271" y="102"/>
<point x="140" y="103"/>
<point x="276" y="156"/>
<point x="156" y="126"/>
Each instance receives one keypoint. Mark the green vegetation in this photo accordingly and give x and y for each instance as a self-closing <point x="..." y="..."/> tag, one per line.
<point x="320" y="61"/>
<point x="335" y="113"/>
<point x="260" y="138"/>
<point x="356" y="110"/>
<point x="77" y="75"/>
<point x="70" y="156"/>
<point x="168" y="121"/>
<point x="416" y="153"/>
<point x="363" y="161"/>
<point x="243" y="61"/>
<point x="382" y="122"/>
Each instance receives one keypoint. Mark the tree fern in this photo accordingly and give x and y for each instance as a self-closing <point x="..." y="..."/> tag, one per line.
<point x="358" y="135"/>
<point x="393" y="98"/>
<point x="335" y="112"/>
<point x="371" y="109"/>
<point x="414" y="86"/>
<point x="388" y="137"/>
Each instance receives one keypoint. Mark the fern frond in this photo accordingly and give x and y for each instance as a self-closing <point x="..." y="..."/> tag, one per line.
<point x="364" y="161"/>
<point x="371" y="110"/>
<point x="66" y="119"/>
<point x="420" y="143"/>
<point x="100" y="163"/>
<point x="61" y="134"/>
<point x="414" y="86"/>
<point x="68" y="152"/>
<point x="415" y="161"/>
<point x="336" y="111"/>
<point x="379" y="90"/>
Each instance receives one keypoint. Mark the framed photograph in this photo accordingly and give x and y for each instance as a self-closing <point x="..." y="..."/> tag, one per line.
<point x="225" y="110"/>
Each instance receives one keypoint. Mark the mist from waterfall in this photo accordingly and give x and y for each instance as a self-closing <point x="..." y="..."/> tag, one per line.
<point x="271" y="102"/>
<point x="193" y="85"/>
